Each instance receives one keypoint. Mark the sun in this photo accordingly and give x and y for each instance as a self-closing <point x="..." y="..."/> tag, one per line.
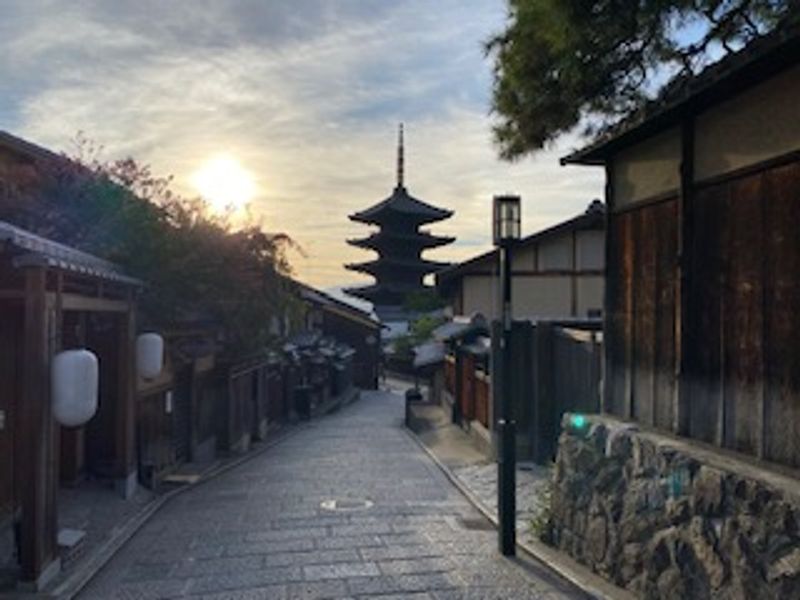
<point x="224" y="183"/>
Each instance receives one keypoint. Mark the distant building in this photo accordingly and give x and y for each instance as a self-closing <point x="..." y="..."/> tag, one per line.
<point x="557" y="273"/>
<point x="399" y="269"/>
<point x="349" y="325"/>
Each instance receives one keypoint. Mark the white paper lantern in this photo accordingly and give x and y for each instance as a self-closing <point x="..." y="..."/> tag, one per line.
<point x="149" y="355"/>
<point x="74" y="376"/>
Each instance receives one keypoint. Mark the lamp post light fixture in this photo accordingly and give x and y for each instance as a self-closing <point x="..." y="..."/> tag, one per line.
<point x="506" y="227"/>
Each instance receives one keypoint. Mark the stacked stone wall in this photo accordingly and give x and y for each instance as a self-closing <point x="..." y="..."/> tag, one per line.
<point x="667" y="518"/>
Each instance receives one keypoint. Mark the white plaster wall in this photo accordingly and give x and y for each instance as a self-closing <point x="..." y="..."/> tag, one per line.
<point x="647" y="169"/>
<point x="542" y="296"/>
<point x="590" y="250"/>
<point x="590" y="294"/>
<point x="524" y="259"/>
<point x="556" y="254"/>
<point x="756" y="125"/>
<point x="480" y="295"/>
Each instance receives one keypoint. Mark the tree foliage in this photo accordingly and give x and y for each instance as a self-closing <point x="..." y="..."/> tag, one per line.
<point x="423" y="301"/>
<point x="195" y="266"/>
<point x="562" y="63"/>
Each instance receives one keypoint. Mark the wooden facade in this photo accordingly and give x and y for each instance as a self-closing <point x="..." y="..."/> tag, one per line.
<point x="703" y="285"/>
<point x="54" y="298"/>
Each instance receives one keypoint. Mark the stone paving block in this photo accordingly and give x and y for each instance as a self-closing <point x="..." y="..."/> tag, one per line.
<point x="340" y="570"/>
<point x="407" y="596"/>
<point x="314" y="557"/>
<point x="399" y="551"/>
<point x="266" y="548"/>
<point x="244" y="580"/>
<point x="404" y="539"/>
<point x="142" y="590"/>
<point x="278" y="535"/>
<point x="399" y="584"/>
<point x="354" y="541"/>
<point x="361" y="529"/>
<point x="139" y="572"/>
<point x="271" y="592"/>
<point x="414" y="565"/>
<point x="316" y="590"/>
<point x="192" y="567"/>
<point x="491" y="593"/>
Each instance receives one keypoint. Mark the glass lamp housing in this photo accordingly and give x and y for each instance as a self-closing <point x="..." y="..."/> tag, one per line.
<point x="506" y="219"/>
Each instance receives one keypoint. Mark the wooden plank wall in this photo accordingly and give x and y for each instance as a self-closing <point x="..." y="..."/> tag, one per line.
<point x="743" y="321"/>
<point x="482" y="395"/>
<point x="450" y="375"/>
<point x="577" y="357"/>
<point x="467" y="391"/>
<point x="641" y="321"/>
<point x="747" y="395"/>
<point x="154" y="433"/>
<point x="11" y="320"/>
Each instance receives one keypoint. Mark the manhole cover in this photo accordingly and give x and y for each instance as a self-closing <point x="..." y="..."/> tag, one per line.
<point x="346" y="504"/>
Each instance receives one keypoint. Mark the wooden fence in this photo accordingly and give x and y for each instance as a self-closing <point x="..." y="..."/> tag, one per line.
<point x="557" y="368"/>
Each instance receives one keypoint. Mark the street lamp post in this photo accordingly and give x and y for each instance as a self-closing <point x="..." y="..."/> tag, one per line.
<point x="506" y="228"/>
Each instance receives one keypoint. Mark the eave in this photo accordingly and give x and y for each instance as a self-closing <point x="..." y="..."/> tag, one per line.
<point x="755" y="63"/>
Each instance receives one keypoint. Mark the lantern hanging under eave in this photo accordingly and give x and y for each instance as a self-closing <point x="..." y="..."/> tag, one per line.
<point x="74" y="376"/>
<point x="149" y="355"/>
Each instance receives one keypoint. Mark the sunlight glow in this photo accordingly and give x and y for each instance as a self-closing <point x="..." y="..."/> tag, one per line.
<point x="224" y="183"/>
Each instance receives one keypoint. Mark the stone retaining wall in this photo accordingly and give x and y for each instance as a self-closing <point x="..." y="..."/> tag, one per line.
<point x="668" y="518"/>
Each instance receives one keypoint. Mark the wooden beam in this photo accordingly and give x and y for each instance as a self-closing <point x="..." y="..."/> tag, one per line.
<point x="91" y="304"/>
<point x="683" y="283"/>
<point x="12" y="295"/>
<point x="573" y="277"/>
<point x="611" y="283"/>
<point x="125" y="425"/>
<point x="35" y="439"/>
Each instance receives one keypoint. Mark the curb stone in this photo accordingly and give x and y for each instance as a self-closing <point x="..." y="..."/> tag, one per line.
<point x="550" y="558"/>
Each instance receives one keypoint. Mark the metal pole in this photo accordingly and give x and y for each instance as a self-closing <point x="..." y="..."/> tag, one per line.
<point x="506" y="467"/>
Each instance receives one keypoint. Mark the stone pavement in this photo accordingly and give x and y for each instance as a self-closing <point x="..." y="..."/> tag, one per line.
<point x="533" y="487"/>
<point x="290" y="523"/>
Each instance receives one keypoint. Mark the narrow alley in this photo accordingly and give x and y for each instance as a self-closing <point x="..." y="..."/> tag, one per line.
<point x="347" y="507"/>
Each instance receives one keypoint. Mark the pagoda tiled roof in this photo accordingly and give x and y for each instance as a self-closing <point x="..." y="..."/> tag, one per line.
<point x="419" y="265"/>
<point x="401" y="202"/>
<point x="370" y="292"/>
<point x="423" y="239"/>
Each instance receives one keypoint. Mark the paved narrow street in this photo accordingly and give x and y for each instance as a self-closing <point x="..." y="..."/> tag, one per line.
<point x="265" y="531"/>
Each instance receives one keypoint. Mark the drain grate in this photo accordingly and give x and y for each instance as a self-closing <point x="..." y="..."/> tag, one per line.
<point x="475" y="523"/>
<point x="346" y="504"/>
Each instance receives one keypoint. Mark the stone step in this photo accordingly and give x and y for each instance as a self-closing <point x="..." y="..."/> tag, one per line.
<point x="71" y="545"/>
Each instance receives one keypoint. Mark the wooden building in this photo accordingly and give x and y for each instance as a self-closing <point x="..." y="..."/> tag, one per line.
<point x="556" y="273"/>
<point x="55" y="298"/>
<point x="702" y="320"/>
<point x="348" y="325"/>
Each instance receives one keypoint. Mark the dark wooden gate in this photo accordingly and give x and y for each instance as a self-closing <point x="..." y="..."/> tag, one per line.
<point x="10" y="338"/>
<point x="182" y="415"/>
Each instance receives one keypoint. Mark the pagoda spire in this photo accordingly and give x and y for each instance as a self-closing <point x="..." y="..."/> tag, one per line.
<point x="400" y="157"/>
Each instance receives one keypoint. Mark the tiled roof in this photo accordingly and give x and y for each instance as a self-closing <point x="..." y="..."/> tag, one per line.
<point x="756" y="62"/>
<point x="30" y="249"/>
<point x="401" y="202"/>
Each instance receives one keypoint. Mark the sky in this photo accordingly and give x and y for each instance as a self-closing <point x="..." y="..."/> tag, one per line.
<point x="305" y="95"/>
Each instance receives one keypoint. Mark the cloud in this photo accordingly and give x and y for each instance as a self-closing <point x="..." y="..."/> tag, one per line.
<point x="307" y="96"/>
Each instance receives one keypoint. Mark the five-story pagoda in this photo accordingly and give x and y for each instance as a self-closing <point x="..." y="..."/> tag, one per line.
<point x="399" y="242"/>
